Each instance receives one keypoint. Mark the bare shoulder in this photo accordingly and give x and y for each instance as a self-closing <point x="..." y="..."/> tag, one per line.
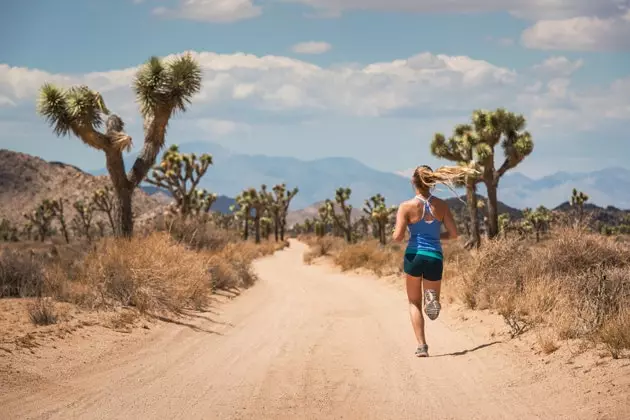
<point x="440" y="205"/>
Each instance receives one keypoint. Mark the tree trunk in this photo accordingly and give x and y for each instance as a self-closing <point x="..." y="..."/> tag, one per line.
<point x="282" y="228"/>
<point x="123" y="215"/>
<point x="257" y="227"/>
<point x="246" y="231"/>
<point x="276" y="227"/>
<point x="471" y="198"/>
<point x="493" y="214"/>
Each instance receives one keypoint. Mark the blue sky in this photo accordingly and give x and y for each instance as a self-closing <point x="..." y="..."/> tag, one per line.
<point x="373" y="79"/>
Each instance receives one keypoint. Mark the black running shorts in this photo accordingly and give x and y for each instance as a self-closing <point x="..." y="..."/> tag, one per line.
<point x="418" y="265"/>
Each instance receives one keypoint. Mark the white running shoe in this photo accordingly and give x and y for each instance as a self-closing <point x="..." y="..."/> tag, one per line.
<point x="431" y="304"/>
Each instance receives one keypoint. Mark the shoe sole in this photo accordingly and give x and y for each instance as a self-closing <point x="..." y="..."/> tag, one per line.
<point x="432" y="309"/>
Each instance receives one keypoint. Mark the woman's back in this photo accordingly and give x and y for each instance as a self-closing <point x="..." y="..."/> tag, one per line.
<point x="424" y="218"/>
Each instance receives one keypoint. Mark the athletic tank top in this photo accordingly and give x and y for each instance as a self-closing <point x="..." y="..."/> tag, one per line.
<point x="424" y="235"/>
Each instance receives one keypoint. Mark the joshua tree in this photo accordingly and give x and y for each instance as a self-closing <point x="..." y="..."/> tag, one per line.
<point x="504" y="224"/>
<point x="259" y="201"/>
<point x="491" y="129"/>
<point x="58" y="208"/>
<point x="539" y="220"/>
<point x="161" y="88"/>
<point x="460" y="148"/>
<point x="8" y="232"/>
<point x="378" y="212"/>
<point x="344" y="221"/>
<point x="578" y="199"/>
<point x="279" y="208"/>
<point x="82" y="222"/>
<point x="42" y="217"/>
<point x="243" y="210"/>
<point x="180" y="174"/>
<point x="321" y="225"/>
<point x="103" y="200"/>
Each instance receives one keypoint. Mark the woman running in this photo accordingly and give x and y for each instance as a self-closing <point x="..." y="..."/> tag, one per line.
<point x="424" y="215"/>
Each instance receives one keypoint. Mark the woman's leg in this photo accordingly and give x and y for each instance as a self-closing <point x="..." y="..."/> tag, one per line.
<point x="414" y="295"/>
<point x="432" y="285"/>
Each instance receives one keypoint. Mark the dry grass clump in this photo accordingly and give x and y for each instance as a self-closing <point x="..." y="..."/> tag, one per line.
<point x="576" y="281"/>
<point x="42" y="312"/>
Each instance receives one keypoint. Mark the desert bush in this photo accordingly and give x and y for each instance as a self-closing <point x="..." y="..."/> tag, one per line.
<point x="577" y="281"/>
<point x="153" y="274"/>
<point x="42" y="312"/>
<point x="197" y="233"/>
<point x="321" y="247"/>
<point x="21" y="274"/>
<point x="370" y="255"/>
<point x="615" y="333"/>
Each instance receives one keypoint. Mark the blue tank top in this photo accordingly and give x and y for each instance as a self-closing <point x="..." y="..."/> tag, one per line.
<point x="424" y="235"/>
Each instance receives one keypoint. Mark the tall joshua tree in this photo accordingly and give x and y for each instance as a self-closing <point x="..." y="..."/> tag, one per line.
<point x="180" y="174"/>
<point x="279" y="208"/>
<point x="343" y="221"/>
<point x="379" y="213"/>
<point x="259" y="202"/>
<point x="506" y="129"/>
<point x="460" y="148"/>
<point x="162" y="88"/>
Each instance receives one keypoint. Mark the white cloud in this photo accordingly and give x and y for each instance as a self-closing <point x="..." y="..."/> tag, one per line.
<point x="529" y="9"/>
<point x="312" y="47"/>
<point x="218" y="11"/>
<point x="221" y="127"/>
<point x="580" y="34"/>
<point x="558" y="66"/>
<point x="423" y="85"/>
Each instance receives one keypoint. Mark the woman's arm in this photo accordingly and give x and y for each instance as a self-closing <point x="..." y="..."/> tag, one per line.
<point x="449" y="224"/>
<point x="401" y="222"/>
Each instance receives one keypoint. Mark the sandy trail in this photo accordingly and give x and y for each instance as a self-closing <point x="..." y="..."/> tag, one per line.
<point x="305" y="343"/>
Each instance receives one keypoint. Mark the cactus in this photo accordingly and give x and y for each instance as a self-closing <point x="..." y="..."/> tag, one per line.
<point x="259" y="201"/>
<point x="343" y="222"/>
<point x="162" y="88"/>
<point x="459" y="148"/>
<point x="506" y="129"/>
<point x="244" y="211"/>
<point x="42" y="217"/>
<point x="103" y="200"/>
<point x="180" y="174"/>
<point x="82" y="222"/>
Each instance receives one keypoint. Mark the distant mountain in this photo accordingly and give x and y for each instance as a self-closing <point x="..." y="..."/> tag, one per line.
<point x="318" y="180"/>
<point x="222" y="204"/>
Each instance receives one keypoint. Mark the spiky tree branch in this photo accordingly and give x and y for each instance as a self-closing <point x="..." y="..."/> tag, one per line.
<point x="162" y="88"/>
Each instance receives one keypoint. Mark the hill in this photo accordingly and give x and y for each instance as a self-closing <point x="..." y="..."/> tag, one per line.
<point x="318" y="179"/>
<point x="222" y="205"/>
<point x="25" y="181"/>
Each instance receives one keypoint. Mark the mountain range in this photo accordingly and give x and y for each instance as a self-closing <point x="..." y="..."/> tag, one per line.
<point x="318" y="179"/>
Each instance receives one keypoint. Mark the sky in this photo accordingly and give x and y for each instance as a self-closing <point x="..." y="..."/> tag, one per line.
<point x="368" y="79"/>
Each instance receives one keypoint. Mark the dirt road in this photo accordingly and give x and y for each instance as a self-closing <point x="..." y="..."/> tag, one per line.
<point x="308" y="343"/>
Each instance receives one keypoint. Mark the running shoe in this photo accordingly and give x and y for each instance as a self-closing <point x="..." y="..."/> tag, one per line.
<point x="431" y="304"/>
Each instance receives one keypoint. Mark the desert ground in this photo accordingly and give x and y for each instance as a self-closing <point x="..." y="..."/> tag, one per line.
<point x="307" y="341"/>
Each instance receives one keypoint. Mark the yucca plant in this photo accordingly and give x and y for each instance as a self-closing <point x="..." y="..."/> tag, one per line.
<point x="162" y="88"/>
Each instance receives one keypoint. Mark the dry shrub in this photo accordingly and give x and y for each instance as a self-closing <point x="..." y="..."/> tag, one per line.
<point x="547" y="342"/>
<point x="370" y="255"/>
<point x="577" y="281"/>
<point x="154" y="274"/>
<point x="21" y="274"/>
<point x="615" y="333"/>
<point x="42" y="312"/>
<point x="321" y="247"/>
<point x="197" y="233"/>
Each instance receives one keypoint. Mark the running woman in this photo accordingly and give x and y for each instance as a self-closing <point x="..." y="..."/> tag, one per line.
<point x="424" y="215"/>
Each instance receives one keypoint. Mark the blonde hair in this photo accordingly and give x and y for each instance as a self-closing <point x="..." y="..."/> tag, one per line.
<point x="426" y="178"/>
